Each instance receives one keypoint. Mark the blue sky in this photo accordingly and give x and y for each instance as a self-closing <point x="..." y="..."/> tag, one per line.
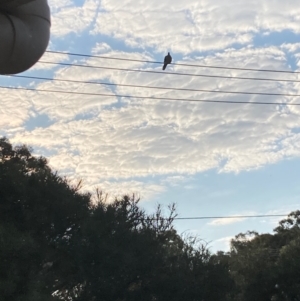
<point x="210" y="159"/>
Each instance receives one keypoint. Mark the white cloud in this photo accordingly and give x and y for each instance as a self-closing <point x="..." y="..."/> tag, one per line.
<point x="68" y="18"/>
<point x="283" y="210"/>
<point x="146" y="191"/>
<point x="52" y="58"/>
<point x="138" y="138"/>
<point x="222" y="244"/>
<point x="193" y="25"/>
<point x="100" y="137"/>
<point x="177" y="180"/>
<point x="178" y="26"/>
<point x="226" y="221"/>
<point x="291" y="47"/>
<point x="14" y="109"/>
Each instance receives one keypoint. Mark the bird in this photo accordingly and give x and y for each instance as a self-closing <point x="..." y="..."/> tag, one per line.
<point x="168" y="60"/>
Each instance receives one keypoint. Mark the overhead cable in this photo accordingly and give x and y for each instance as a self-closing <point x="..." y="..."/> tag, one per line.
<point x="151" y="97"/>
<point x="170" y="73"/>
<point x="155" y="87"/>
<point x="231" y="217"/>
<point x="176" y="64"/>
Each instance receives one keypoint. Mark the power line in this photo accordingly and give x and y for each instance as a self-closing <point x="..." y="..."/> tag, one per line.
<point x="171" y="73"/>
<point x="155" y="87"/>
<point x="231" y="217"/>
<point x="176" y="64"/>
<point x="151" y="97"/>
<point x="218" y="217"/>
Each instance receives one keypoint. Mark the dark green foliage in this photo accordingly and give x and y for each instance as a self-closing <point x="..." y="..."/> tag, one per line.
<point x="36" y="209"/>
<point x="125" y="254"/>
<point x="266" y="266"/>
<point x="56" y="245"/>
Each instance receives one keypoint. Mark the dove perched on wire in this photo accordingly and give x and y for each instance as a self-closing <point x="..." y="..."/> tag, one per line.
<point x="167" y="61"/>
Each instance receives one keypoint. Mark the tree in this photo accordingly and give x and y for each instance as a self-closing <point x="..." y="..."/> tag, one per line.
<point x="39" y="211"/>
<point x="126" y="254"/>
<point x="267" y="266"/>
<point x="288" y="233"/>
<point x="57" y="245"/>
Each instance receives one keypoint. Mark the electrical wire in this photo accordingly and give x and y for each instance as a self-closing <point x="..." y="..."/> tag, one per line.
<point x="153" y="98"/>
<point x="171" y="73"/>
<point x="217" y="217"/>
<point x="176" y="64"/>
<point x="176" y="99"/>
<point x="155" y="87"/>
<point x="231" y="217"/>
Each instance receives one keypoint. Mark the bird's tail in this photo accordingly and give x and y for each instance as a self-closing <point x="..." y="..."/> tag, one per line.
<point x="164" y="67"/>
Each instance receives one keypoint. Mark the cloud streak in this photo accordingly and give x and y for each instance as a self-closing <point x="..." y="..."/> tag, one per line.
<point x="152" y="137"/>
<point x="101" y="138"/>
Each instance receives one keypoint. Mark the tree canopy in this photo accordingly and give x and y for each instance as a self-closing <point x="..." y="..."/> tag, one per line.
<point x="57" y="243"/>
<point x="267" y="266"/>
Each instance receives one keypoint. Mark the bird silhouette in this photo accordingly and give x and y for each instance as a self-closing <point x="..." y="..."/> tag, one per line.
<point x="168" y="60"/>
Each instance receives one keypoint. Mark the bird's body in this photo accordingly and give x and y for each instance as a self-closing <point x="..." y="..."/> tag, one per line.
<point x="167" y="61"/>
